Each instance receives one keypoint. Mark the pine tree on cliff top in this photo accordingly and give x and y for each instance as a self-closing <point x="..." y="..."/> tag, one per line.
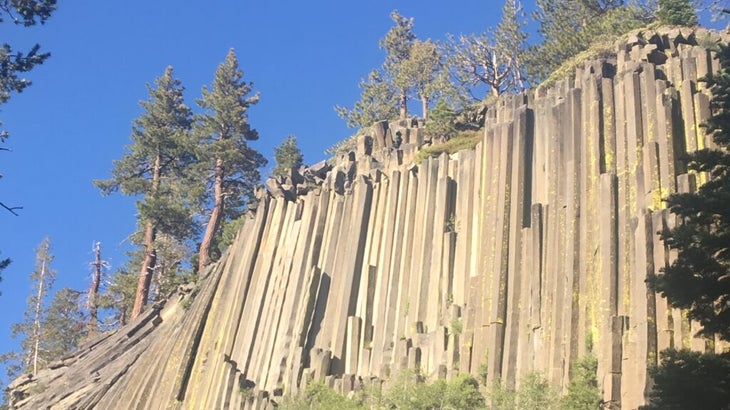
<point x="677" y="13"/>
<point x="154" y="168"/>
<point x="397" y="44"/>
<point x="229" y="166"/>
<point x="287" y="156"/>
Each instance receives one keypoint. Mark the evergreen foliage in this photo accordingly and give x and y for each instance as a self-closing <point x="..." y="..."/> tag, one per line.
<point x="378" y="102"/>
<point x="583" y="391"/>
<point x="229" y="166"/>
<point x="570" y="27"/>
<point x="690" y="380"/>
<point x="30" y="331"/>
<point x="677" y="13"/>
<point x="64" y="325"/>
<point x="419" y="72"/>
<point x="440" y="125"/>
<point x="287" y="156"/>
<point x="698" y="279"/>
<point x="156" y="168"/>
<point x="12" y="64"/>
<point x="397" y="43"/>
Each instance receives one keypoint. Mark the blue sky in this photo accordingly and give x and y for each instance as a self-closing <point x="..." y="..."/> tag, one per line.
<point x="304" y="57"/>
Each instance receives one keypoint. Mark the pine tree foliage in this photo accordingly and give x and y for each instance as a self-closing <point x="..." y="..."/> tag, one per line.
<point x="419" y="72"/>
<point x="441" y="123"/>
<point x="13" y="64"/>
<point x="30" y="331"/>
<point x="229" y="165"/>
<point x="571" y="26"/>
<point x="378" y="102"/>
<point x="64" y="325"/>
<point x="677" y="13"/>
<point x="397" y="43"/>
<point x="699" y="278"/>
<point x="287" y="156"/>
<point x="493" y="58"/>
<point x="583" y="391"/>
<point x="690" y="380"/>
<point x="156" y="168"/>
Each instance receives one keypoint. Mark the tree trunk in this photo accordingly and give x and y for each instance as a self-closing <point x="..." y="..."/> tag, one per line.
<point x="150" y="253"/>
<point x="424" y="104"/>
<point x="216" y="215"/>
<point x="93" y="291"/>
<point x="37" y="319"/>
<point x="403" y="104"/>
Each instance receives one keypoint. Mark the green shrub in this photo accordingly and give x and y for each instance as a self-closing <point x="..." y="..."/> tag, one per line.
<point x="319" y="396"/>
<point x="583" y="392"/>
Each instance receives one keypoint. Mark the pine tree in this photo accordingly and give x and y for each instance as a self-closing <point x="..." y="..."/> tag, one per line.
<point x="30" y="358"/>
<point x="571" y="26"/>
<point x="397" y="44"/>
<point x="64" y="325"/>
<point x="699" y="278"/>
<point x="441" y="124"/>
<point x="230" y="165"/>
<point x="420" y="72"/>
<point x="287" y="156"/>
<point x="155" y="168"/>
<point x="677" y="13"/>
<point x="378" y="102"/>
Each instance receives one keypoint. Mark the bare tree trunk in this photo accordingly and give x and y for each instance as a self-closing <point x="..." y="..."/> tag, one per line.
<point x="204" y="257"/>
<point x="93" y="292"/>
<point x="424" y="105"/>
<point x="150" y="253"/>
<point x="403" y="104"/>
<point x="37" y="318"/>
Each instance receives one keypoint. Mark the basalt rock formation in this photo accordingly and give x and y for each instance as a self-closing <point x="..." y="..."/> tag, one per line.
<point x="522" y="255"/>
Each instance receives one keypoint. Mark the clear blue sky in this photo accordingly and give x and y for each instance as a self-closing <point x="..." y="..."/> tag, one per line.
<point x="67" y="128"/>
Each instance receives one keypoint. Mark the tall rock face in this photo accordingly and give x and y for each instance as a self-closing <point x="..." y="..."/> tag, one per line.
<point x="523" y="255"/>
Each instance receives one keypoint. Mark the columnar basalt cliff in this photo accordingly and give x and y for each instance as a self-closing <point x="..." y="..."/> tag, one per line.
<point x="522" y="255"/>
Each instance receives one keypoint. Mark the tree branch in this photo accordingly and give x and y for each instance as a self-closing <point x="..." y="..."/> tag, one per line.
<point x="11" y="209"/>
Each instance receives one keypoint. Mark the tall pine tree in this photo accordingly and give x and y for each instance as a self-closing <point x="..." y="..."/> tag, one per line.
<point x="397" y="44"/>
<point x="229" y="166"/>
<point x="30" y="331"/>
<point x="378" y="102"/>
<point x="155" y="168"/>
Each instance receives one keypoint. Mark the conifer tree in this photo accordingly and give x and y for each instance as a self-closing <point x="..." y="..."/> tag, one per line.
<point x="287" y="156"/>
<point x="155" y="168"/>
<point x="230" y="167"/>
<point x="571" y="26"/>
<point x="92" y="299"/>
<point x="378" y="102"/>
<point x="420" y="72"/>
<point x="677" y="13"/>
<point x="30" y="331"/>
<point x="397" y="44"/>
<point x="441" y="124"/>
<point x="699" y="278"/>
<point x="64" y="325"/>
